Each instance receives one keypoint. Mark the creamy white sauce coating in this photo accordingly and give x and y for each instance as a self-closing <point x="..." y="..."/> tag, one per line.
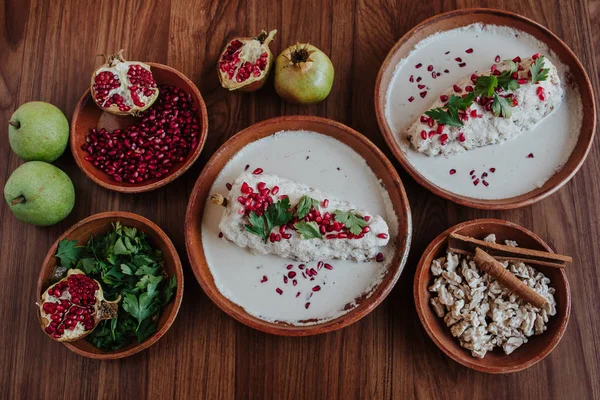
<point x="313" y="159"/>
<point x="550" y="142"/>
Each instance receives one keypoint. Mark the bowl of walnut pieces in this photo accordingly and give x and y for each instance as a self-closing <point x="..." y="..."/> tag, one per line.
<point x="492" y="295"/>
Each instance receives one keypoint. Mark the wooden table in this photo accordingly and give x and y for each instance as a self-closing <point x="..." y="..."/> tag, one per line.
<point x="48" y="53"/>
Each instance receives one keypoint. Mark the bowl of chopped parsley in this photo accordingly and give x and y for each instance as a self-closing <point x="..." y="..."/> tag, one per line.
<point x="130" y="257"/>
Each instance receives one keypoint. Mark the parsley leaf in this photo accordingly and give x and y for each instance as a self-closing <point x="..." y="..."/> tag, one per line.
<point x="442" y="117"/>
<point x="169" y="290"/>
<point x="485" y="85"/>
<point x="308" y="230"/>
<point x="538" y="72"/>
<point x="450" y="117"/>
<point x="352" y="221"/>
<point x="140" y="307"/>
<point x="305" y="204"/>
<point x="501" y="107"/>
<point x="277" y="214"/>
<point x="68" y="252"/>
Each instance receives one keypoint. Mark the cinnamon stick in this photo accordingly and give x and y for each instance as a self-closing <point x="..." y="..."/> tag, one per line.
<point x="507" y="279"/>
<point x="466" y="245"/>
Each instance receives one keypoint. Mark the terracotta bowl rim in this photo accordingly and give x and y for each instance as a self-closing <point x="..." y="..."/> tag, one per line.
<point x="191" y="159"/>
<point x="508" y="203"/>
<point x="153" y="230"/>
<point x="466" y="359"/>
<point x="284" y="329"/>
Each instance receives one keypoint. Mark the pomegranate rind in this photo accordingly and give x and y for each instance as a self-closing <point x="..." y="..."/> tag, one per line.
<point x="253" y="83"/>
<point x="104" y="310"/>
<point x="111" y="62"/>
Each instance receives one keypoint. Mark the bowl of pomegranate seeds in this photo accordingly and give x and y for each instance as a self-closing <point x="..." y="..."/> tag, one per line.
<point x="147" y="150"/>
<point x="110" y="286"/>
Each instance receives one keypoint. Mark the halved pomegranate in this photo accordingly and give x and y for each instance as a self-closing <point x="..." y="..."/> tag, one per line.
<point x="72" y="308"/>
<point x="245" y="63"/>
<point x="123" y="87"/>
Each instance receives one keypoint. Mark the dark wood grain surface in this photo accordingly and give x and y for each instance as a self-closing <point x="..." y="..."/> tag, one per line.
<point x="48" y="52"/>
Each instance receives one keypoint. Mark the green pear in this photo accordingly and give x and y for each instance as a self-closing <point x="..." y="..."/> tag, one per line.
<point x="38" y="131"/>
<point x="38" y="193"/>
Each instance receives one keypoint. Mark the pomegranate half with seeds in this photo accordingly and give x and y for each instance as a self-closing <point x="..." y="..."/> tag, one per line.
<point x="123" y="87"/>
<point x="245" y="63"/>
<point x="71" y="308"/>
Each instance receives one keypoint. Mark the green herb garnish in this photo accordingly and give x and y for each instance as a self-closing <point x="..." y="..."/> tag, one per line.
<point x="308" y="230"/>
<point x="277" y="214"/>
<point x="501" y="107"/>
<point x="305" y="204"/>
<point x="450" y="115"/>
<point x="126" y="264"/>
<point x="353" y="222"/>
<point x="538" y="72"/>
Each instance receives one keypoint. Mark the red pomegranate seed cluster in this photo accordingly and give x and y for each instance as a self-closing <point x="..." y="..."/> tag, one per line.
<point x="165" y="134"/>
<point x="230" y="63"/>
<point x="79" y="308"/>
<point x="104" y="82"/>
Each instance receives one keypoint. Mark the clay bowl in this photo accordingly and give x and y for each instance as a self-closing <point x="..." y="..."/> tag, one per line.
<point x="99" y="224"/>
<point x="458" y="18"/>
<point x="374" y="158"/>
<point x="495" y="362"/>
<point x="88" y="115"/>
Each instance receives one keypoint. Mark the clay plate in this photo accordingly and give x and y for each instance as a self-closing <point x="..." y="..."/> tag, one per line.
<point x="495" y="362"/>
<point x="88" y="115"/>
<point x="100" y="224"/>
<point x="374" y="158"/>
<point x="456" y="19"/>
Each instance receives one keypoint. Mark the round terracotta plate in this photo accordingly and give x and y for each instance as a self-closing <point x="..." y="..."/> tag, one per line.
<point x="460" y="18"/>
<point x="494" y="362"/>
<point x="88" y="115"/>
<point x="379" y="164"/>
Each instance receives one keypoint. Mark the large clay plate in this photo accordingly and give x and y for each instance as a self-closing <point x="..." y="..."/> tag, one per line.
<point x="460" y="18"/>
<point x="374" y="158"/>
<point x="494" y="362"/>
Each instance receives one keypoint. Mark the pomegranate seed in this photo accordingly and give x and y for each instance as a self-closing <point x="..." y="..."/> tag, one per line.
<point x="278" y="290"/>
<point x="443" y="138"/>
<point x="468" y="88"/>
<point x="517" y="59"/>
<point x="535" y="56"/>
<point x="457" y="88"/>
<point x="497" y="59"/>
<point x="430" y="68"/>
<point x="423" y="94"/>
<point x="382" y="235"/>
<point x="485" y="183"/>
<point x="473" y="113"/>
<point x="220" y="235"/>
<point x="316" y="288"/>
<point x="452" y="171"/>
<point x="325" y="203"/>
<point x="367" y="218"/>
<point x="476" y="182"/>
<point x="435" y="75"/>
<point x="472" y="172"/>
<point x="419" y="79"/>
<point x="530" y="155"/>
<point x="411" y="79"/>
<point x="379" y="257"/>
<point x="439" y="129"/>
<point x="462" y="65"/>
<point x="285" y="279"/>
<point x="275" y="190"/>
<point x="431" y="134"/>
<point x="424" y="119"/>
<point x="431" y="123"/>
<point x="444" y="98"/>
<point x="461" y="137"/>
<point x="291" y="274"/>
<point x="257" y="171"/>
<point x="447" y="71"/>
<point x="264" y="279"/>
<point x="307" y="305"/>
<point x="419" y="65"/>
<point x="458" y="59"/>
<point x="423" y="135"/>
<point x="410" y="99"/>
<point x="468" y="51"/>
<point x="247" y="166"/>
<point x="289" y="266"/>
<point x="421" y="86"/>
<point x="492" y="170"/>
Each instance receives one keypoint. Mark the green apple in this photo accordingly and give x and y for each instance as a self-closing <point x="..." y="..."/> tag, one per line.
<point x="38" y="193"/>
<point x="38" y="131"/>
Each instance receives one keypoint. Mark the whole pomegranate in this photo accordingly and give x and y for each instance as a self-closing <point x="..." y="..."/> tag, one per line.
<point x="72" y="307"/>
<point x="123" y="87"/>
<point x="303" y="74"/>
<point x="245" y="63"/>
